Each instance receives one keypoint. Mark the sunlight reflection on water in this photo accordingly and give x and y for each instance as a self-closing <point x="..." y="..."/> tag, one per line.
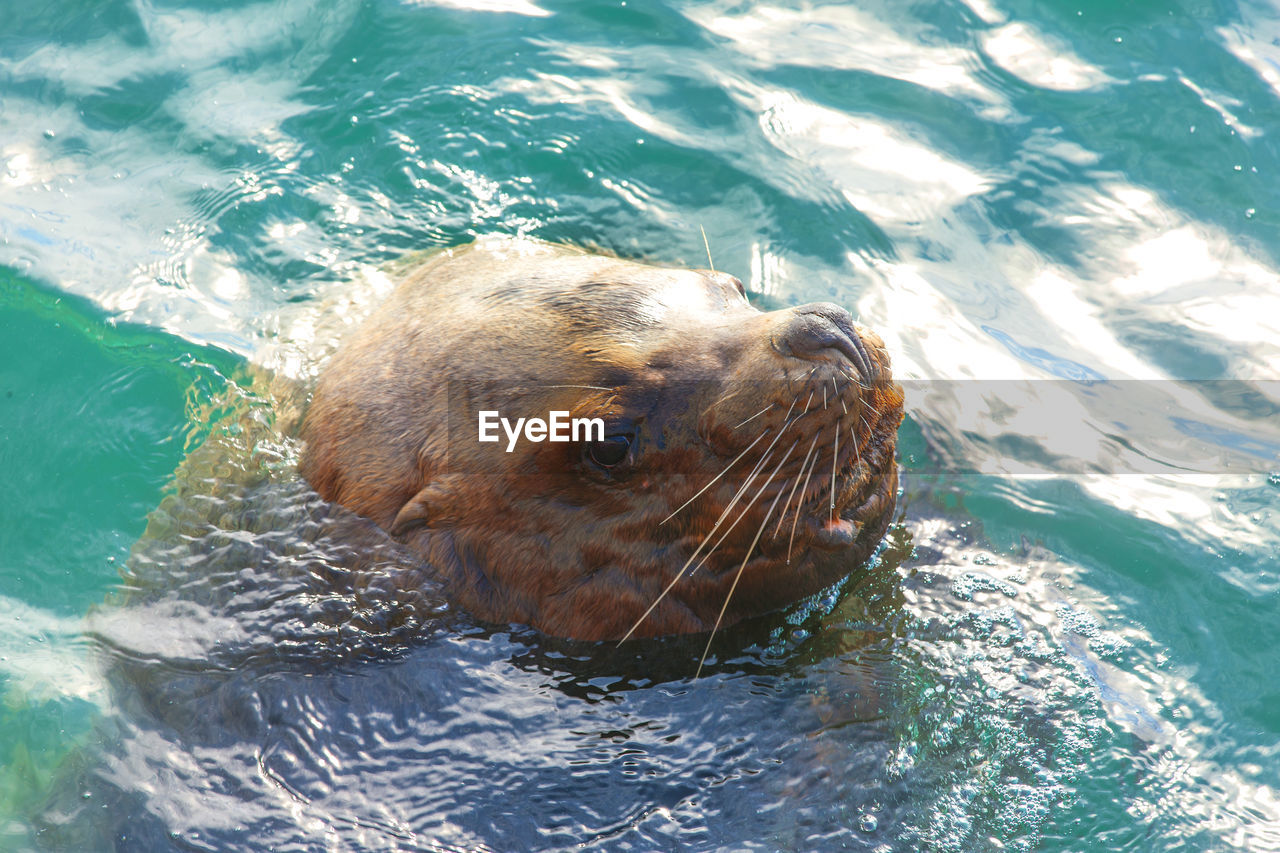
<point x="1023" y="200"/>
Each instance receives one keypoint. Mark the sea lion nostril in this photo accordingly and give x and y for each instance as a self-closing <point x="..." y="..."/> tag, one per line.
<point x="824" y="325"/>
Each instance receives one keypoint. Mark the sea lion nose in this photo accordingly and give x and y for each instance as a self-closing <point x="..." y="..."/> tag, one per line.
<point x="822" y="326"/>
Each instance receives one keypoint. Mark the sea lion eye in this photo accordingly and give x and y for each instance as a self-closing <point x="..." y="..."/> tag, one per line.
<point x="609" y="451"/>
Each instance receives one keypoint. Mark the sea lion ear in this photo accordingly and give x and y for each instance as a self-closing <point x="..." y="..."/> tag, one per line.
<point x="413" y="515"/>
<point x="430" y="507"/>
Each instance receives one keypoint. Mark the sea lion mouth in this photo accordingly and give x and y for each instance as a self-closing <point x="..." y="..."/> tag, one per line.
<point x="836" y="534"/>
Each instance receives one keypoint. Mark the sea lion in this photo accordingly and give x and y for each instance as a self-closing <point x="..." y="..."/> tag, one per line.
<point x="746" y="458"/>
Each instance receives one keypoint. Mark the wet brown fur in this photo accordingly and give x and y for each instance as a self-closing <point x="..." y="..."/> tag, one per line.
<point x="541" y="536"/>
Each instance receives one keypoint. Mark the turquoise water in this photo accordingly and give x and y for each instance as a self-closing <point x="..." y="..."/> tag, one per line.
<point x="1071" y="642"/>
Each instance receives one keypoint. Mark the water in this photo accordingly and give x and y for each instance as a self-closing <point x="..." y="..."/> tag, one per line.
<point x="1069" y="641"/>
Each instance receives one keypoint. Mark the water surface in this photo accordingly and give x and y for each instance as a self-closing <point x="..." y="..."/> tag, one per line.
<point x="1062" y="218"/>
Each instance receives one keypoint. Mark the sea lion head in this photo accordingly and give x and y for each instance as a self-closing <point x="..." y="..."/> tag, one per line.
<point x="745" y="460"/>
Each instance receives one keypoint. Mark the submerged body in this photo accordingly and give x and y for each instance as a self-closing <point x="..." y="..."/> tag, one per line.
<point x="747" y="458"/>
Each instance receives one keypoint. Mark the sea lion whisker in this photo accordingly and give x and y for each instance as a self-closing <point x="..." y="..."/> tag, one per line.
<point x="712" y="481"/>
<point x="835" y="389"/>
<point x="710" y="265"/>
<point x="589" y="387"/>
<point x="824" y="398"/>
<point x="756" y="415"/>
<point x="745" y="559"/>
<point x="800" y="382"/>
<point x="858" y="380"/>
<point x="746" y="509"/>
<point x="786" y="422"/>
<point x="864" y="382"/>
<point x="763" y="456"/>
<point x="835" y="462"/>
<point x="796" y="520"/>
<point x="856" y="457"/>
<point x="712" y="532"/>
<point x="729" y="395"/>
<point x="804" y="462"/>
<point x="807" y="403"/>
<point x="732" y="503"/>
